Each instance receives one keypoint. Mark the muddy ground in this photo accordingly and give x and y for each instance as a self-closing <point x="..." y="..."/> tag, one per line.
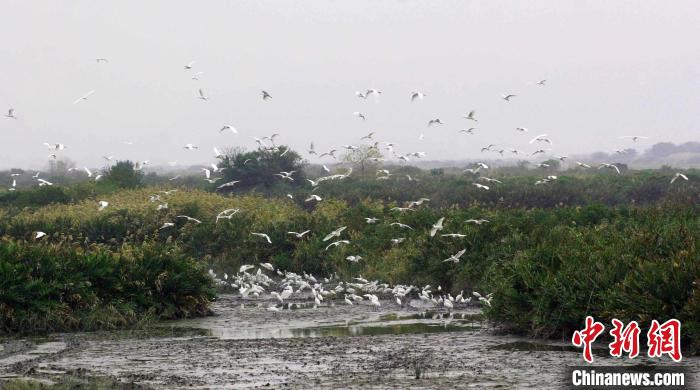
<point x="332" y="346"/>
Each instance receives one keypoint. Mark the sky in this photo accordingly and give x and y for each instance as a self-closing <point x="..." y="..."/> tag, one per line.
<point x="613" y="68"/>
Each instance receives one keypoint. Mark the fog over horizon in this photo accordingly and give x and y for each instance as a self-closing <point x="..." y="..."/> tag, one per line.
<point x="612" y="68"/>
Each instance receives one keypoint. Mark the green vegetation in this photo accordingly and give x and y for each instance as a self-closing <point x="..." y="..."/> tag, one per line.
<point x="57" y="287"/>
<point x="601" y="244"/>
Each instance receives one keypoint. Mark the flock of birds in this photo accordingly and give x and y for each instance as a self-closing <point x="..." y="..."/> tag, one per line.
<point x="359" y="290"/>
<point x="291" y="287"/>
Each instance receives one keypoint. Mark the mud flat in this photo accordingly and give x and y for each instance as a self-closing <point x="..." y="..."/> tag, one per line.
<point x="246" y="345"/>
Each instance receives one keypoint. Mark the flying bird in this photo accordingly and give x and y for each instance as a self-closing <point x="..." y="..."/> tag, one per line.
<point x="334" y="233"/>
<point x="299" y="235"/>
<point x="437" y="226"/>
<point x="677" y="176"/>
<point x="11" y="113"/>
<point x="455" y="258"/>
<point x="417" y="95"/>
<point x="435" y="121"/>
<point x="84" y="97"/>
<point x="228" y="127"/>
<point x="263" y="235"/>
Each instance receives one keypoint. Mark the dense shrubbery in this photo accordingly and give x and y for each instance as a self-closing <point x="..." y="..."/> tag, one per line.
<point x="58" y="287"/>
<point x="609" y="246"/>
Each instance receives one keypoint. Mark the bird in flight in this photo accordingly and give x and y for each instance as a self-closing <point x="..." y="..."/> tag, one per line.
<point x="299" y="235"/>
<point x="84" y="97"/>
<point x="477" y="221"/>
<point x="610" y="166"/>
<point x="266" y="96"/>
<point x="455" y="258"/>
<point x="677" y="176"/>
<point x="359" y="115"/>
<point x="471" y="116"/>
<point x="334" y="233"/>
<point x="435" y="121"/>
<point x="228" y="127"/>
<point x="202" y="96"/>
<point x="417" y="95"/>
<point x="11" y="113"/>
<point x="635" y="138"/>
<point x="229" y="184"/>
<point x="436" y="227"/>
<point x="189" y="66"/>
<point x="542" y="83"/>
<point x="263" y="235"/>
<point x="336" y="243"/>
<point x="189" y="219"/>
<point x="508" y="97"/>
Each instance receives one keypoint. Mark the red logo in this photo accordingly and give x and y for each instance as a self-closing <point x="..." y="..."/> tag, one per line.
<point x="625" y="339"/>
<point x="662" y="339"/>
<point x="587" y="336"/>
<point x="665" y="339"/>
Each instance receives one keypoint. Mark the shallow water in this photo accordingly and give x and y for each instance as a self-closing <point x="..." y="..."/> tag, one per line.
<point x="331" y="346"/>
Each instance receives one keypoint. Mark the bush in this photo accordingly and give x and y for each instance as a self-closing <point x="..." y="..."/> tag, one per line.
<point x="60" y="287"/>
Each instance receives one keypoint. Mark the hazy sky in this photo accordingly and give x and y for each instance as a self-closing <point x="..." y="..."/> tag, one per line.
<point x="614" y="68"/>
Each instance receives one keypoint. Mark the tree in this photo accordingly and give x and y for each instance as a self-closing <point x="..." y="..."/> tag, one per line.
<point x="123" y="175"/>
<point x="258" y="169"/>
<point x="363" y="157"/>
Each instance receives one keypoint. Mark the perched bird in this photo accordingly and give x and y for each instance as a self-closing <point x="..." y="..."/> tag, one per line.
<point x="102" y="205"/>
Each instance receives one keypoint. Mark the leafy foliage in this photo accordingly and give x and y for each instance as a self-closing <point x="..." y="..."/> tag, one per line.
<point x="123" y="174"/>
<point x="257" y="169"/>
